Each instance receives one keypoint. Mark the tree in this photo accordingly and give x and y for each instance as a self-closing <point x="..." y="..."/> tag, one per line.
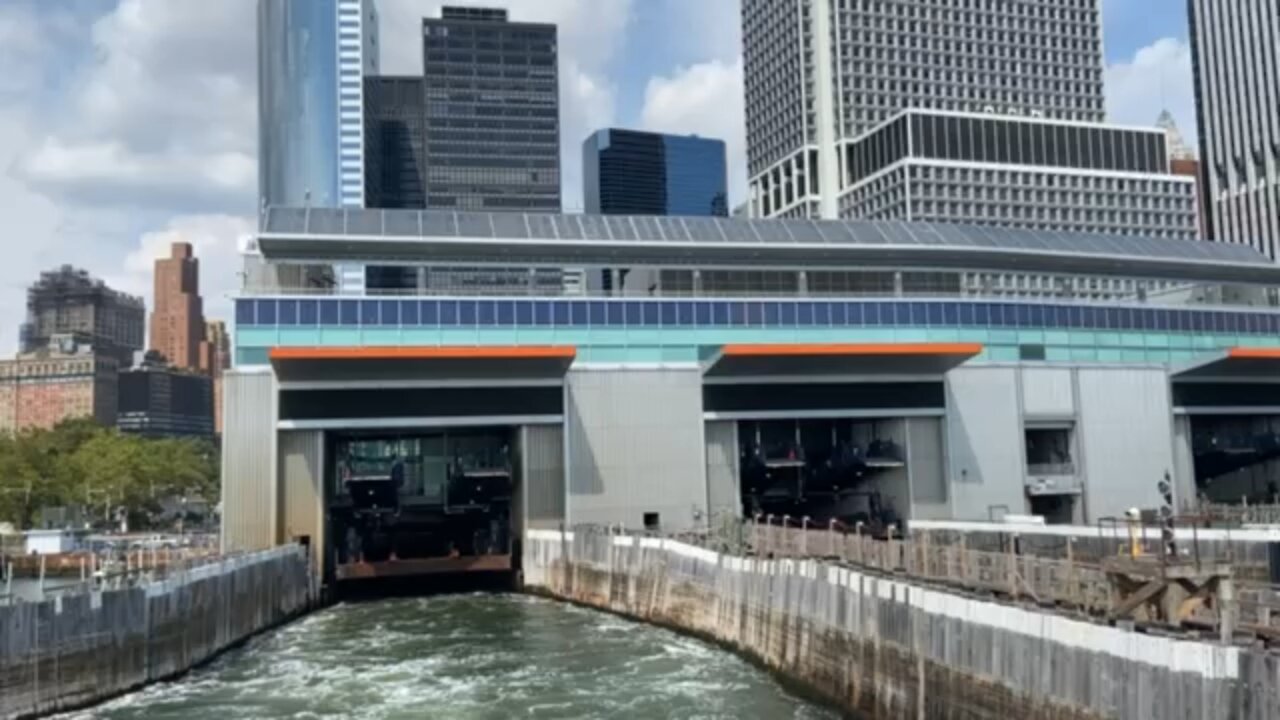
<point x="82" y="464"/>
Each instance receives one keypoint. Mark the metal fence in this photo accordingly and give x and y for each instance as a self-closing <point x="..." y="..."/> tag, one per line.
<point x="1241" y="514"/>
<point x="1065" y="583"/>
<point x="76" y="573"/>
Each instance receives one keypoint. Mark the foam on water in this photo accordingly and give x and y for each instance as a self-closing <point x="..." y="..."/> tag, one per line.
<point x="461" y="657"/>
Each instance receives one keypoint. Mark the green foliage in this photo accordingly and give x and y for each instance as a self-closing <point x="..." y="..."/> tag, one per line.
<point x="80" y="463"/>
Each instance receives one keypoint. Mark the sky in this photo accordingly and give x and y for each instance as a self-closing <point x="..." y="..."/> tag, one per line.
<point x="126" y="125"/>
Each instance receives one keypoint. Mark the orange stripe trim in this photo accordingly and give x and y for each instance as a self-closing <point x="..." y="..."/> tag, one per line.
<point x="1252" y="353"/>
<point x="532" y="352"/>
<point x="877" y="349"/>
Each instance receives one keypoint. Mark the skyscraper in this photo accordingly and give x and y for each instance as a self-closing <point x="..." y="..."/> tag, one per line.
<point x="219" y="359"/>
<point x="628" y="172"/>
<point x="157" y="400"/>
<point x="78" y="335"/>
<point x="177" y="319"/>
<point x="395" y="142"/>
<point x="1183" y="161"/>
<point x="492" y="117"/>
<point x="820" y="74"/>
<point x="1236" y="61"/>
<point x="312" y="59"/>
<point x="69" y="305"/>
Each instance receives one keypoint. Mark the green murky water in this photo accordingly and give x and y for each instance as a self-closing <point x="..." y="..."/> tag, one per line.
<point x="468" y="656"/>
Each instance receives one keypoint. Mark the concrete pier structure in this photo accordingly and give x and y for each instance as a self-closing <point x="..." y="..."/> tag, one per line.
<point x="889" y="647"/>
<point x="75" y="651"/>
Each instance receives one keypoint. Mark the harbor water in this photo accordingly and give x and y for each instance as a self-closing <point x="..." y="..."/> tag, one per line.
<point x="467" y="656"/>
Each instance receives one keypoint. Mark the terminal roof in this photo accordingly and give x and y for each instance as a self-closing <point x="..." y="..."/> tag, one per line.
<point x="438" y="236"/>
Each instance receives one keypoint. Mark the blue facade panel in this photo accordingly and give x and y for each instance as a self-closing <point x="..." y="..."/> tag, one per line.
<point x="695" y="170"/>
<point x="626" y="172"/>
<point x="716" y="313"/>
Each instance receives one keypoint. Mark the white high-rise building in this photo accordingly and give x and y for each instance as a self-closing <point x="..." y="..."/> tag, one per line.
<point x="1236" y="59"/>
<point x="820" y="73"/>
<point x="986" y="112"/>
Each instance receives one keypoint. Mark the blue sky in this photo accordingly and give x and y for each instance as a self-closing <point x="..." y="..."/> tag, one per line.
<point x="129" y="124"/>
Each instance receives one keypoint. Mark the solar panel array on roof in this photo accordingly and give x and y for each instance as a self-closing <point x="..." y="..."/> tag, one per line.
<point x="718" y="231"/>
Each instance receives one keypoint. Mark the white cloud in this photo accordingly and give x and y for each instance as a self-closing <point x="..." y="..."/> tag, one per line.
<point x="1157" y="77"/>
<point x="125" y="126"/>
<point x="115" y="120"/>
<point x="217" y="241"/>
<point x="163" y="114"/>
<point x="704" y="99"/>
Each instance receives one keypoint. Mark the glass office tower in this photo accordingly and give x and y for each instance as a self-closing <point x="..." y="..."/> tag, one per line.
<point x="492" y="112"/>
<point x="312" y="58"/>
<point x="627" y="172"/>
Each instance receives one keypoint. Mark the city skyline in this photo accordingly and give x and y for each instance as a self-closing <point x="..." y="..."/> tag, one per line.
<point x="153" y="170"/>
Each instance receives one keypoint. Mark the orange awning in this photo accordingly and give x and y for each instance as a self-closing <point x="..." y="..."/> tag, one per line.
<point x="800" y="359"/>
<point x="1256" y="363"/>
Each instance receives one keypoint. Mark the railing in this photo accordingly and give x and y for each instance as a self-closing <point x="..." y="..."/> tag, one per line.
<point x="83" y="572"/>
<point x="1242" y="514"/>
<point x="1045" y="581"/>
<point x="269" y="289"/>
<point x="1063" y="583"/>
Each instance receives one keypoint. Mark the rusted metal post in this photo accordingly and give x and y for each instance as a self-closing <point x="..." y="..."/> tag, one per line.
<point x="1227" y="614"/>
<point x="768" y="535"/>
<point x="1012" y="567"/>
<point x="857" y="540"/>
<point x="1073" y="594"/>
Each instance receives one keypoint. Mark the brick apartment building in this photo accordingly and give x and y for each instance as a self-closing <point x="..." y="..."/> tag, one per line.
<point x="78" y="335"/>
<point x="66" y="381"/>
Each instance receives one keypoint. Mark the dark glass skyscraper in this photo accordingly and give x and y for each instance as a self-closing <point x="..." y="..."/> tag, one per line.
<point x="628" y="172"/>
<point x="492" y="112"/>
<point x="395" y="142"/>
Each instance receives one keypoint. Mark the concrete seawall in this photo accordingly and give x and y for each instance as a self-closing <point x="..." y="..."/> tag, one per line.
<point x="78" y="650"/>
<point x="886" y="647"/>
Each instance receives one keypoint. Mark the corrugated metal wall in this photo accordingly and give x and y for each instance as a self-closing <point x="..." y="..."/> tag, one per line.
<point x="248" y="461"/>
<point x="542" y="453"/>
<point x="925" y="463"/>
<point x="984" y="440"/>
<point x="1184" y="464"/>
<point x="301" y="503"/>
<point x="635" y="447"/>
<point x="723" y="494"/>
<point x="1048" y="393"/>
<point x="1125" y="437"/>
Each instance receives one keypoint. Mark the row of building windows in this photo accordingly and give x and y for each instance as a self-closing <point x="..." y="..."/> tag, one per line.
<point x="774" y="81"/>
<point x="715" y="313"/>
